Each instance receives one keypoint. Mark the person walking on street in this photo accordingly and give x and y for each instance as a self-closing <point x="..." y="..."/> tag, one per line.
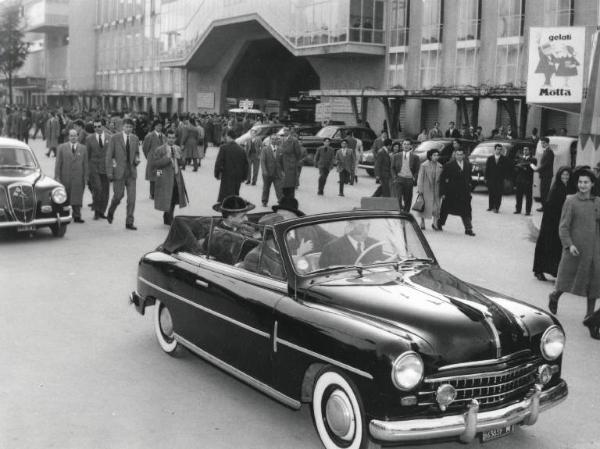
<point x="52" y="134"/>
<point x="345" y="161"/>
<point x="324" y="159"/>
<point x="383" y="170"/>
<point x="96" y="149"/>
<point x="545" y="169"/>
<point x="548" y="247"/>
<point x="122" y="159"/>
<point x="253" y="147"/>
<point x="290" y="160"/>
<point x="270" y="169"/>
<point x="497" y="168"/>
<point x="231" y="166"/>
<point x="170" y="191"/>
<point x="405" y="171"/>
<point x="190" y="141"/>
<point x="379" y="142"/>
<point x="579" y="268"/>
<point x="524" y="181"/>
<point x="71" y="170"/>
<point x="152" y="141"/>
<point x="455" y="191"/>
<point x="428" y="185"/>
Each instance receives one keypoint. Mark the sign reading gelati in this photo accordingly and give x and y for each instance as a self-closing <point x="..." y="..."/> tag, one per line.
<point x="555" y="72"/>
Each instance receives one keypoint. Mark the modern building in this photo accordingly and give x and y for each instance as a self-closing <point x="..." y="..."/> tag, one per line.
<point x="408" y="62"/>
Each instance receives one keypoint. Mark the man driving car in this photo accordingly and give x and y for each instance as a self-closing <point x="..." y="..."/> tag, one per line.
<point x="353" y="247"/>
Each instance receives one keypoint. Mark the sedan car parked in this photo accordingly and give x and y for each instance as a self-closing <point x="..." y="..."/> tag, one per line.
<point x="445" y="146"/>
<point x="29" y="200"/>
<point x="364" y="326"/>
<point x="262" y="130"/>
<point x="336" y="133"/>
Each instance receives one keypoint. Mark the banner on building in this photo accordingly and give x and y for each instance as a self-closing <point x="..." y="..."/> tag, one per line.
<point x="555" y="73"/>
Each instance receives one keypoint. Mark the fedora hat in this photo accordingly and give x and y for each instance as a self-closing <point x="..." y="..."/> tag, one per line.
<point x="288" y="203"/>
<point x="233" y="204"/>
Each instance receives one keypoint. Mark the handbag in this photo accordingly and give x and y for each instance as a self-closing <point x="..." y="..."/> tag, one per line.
<point x="419" y="204"/>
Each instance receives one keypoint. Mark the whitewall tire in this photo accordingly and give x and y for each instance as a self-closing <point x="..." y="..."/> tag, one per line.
<point x="163" y="327"/>
<point x="338" y="412"/>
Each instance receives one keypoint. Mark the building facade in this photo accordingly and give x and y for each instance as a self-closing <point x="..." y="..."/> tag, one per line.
<point x="405" y="62"/>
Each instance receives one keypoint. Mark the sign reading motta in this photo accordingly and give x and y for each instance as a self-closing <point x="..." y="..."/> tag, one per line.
<point x="555" y="72"/>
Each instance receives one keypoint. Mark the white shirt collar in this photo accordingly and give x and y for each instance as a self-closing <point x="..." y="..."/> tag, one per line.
<point x="353" y="241"/>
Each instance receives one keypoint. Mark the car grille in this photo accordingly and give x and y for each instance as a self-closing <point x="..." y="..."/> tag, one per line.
<point x="490" y="388"/>
<point x="22" y="201"/>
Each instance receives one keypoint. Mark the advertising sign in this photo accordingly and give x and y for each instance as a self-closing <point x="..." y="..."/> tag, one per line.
<point x="246" y="104"/>
<point x="555" y="72"/>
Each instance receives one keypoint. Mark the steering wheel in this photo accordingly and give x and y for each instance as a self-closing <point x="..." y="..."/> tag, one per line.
<point x="371" y="248"/>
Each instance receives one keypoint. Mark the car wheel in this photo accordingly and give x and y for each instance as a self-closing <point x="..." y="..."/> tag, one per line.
<point x="338" y="412"/>
<point x="370" y="172"/>
<point x="58" y="230"/>
<point x="163" y="327"/>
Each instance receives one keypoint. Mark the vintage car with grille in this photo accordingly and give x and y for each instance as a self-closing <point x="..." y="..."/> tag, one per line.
<point x="29" y="200"/>
<point x="362" y="324"/>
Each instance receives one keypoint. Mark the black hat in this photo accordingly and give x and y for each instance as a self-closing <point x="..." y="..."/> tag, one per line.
<point x="288" y="203"/>
<point x="233" y="204"/>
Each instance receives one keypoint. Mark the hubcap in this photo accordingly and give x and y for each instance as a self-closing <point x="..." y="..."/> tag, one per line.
<point x="166" y="322"/>
<point x="339" y="414"/>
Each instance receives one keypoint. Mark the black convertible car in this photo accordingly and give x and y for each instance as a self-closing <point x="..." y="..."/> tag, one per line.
<point x="362" y="324"/>
<point x="28" y="199"/>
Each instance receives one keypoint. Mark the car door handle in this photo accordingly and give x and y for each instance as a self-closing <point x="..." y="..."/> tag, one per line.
<point x="202" y="283"/>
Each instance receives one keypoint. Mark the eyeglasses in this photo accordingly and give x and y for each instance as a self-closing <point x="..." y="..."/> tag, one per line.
<point x="97" y="126"/>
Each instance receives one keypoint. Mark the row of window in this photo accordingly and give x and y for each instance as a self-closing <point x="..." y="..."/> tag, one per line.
<point x="156" y="81"/>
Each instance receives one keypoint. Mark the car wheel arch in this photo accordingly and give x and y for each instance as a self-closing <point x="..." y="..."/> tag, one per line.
<point x="308" y="382"/>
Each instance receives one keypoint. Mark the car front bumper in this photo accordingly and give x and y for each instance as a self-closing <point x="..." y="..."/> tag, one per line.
<point x="39" y="222"/>
<point x="467" y="425"/>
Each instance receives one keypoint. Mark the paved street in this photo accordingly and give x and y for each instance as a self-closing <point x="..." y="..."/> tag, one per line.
<point x="79" y="368"/>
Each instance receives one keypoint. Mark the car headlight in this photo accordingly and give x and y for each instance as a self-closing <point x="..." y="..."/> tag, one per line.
<point x="59" y="195"/>
<point x="552" y="343"/>
<point x="407" y="371"/>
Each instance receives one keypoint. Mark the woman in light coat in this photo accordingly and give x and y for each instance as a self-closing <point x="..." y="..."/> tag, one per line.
<point x="579" y="268"/>
<point x="428" y="185"/>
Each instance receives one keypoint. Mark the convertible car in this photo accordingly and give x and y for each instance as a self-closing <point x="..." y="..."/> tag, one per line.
<point x="28" y="199"/>
<point x="351" y="313"/>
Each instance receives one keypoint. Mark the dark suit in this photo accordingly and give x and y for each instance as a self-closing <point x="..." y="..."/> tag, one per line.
<point x="342" y="252"/>
<point x="99" y="184"/>
<point x="345" y="167"/>
<point x="454" y="133"/>
<point x="121" y="167"/>
<point x="383" y="172"/>
<point x="524" y="183"/>
<point x="324" y="162"/>
<point x="455" y="187"/>
<point x="271" y="172"/>
<point x="546" y="171"/>
<point x="231" y="167"/>
<point x="495" y="174"/>
<point x="151" y="142"/>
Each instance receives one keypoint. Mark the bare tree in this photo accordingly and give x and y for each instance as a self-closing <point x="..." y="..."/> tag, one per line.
<point x="13" y="48"/>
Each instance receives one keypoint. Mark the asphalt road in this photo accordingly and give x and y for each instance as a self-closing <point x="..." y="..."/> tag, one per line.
<point x="79" y="368"/>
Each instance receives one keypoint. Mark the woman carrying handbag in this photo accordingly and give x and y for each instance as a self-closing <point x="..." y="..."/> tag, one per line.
<point x="428" y="189"/>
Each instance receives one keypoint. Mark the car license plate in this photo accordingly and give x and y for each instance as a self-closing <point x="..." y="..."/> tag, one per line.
<point x="496" y="433"/>
<point x="25" y="228"/>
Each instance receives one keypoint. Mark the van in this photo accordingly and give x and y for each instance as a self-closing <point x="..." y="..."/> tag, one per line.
<point x="565" y="151"/>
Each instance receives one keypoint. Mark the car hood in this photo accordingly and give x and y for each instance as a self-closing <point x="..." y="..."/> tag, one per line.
<point x="10" y="175"/>
<point x="459" y="323"/>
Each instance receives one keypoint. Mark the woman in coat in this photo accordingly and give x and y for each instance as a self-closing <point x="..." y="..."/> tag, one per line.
<point x="579" y="268"/>
<point x="428" y="185"/>
<point x="548" y="248"/>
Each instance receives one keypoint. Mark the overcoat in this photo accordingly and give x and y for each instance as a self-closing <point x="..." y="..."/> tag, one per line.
<point x="579" y="221"/>
<point x="190" y="140"/>
<point x="52" y="132"/>
<point x="71" y="170"/>
<point x="455" y="186"/>
<point x="162" y="164"/>
<point x="290" y="157"/>
<point x="231" y="167"/>
<point x="428" y="183"/>
<point x="151" y="142"/>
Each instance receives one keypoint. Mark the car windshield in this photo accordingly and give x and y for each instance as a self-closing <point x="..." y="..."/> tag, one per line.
<point x="486" y="150"/>
<point x="429" y="145"/>
<point x="17" y="157"/>
<point x="328" y="131"/>
<point x="354" y="242"/>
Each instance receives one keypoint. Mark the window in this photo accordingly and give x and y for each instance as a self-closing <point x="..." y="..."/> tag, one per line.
<point x="507" y="63"/>
<point x="510" y="17"/>
<point x="430" y="68"/>
<point x="559" y="12"/>
<point x="396" y="70"/>
<point x="399" y="23"/>
<point x="466" y="73"/>
<point x="432" y="22"/>
<point x="469" y="19"/>
<point x="366" y="21"/>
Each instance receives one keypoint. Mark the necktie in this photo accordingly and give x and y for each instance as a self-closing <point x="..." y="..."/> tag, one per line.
<point x="73" y="148"/>
<point x="127" y="149"/>
<point x="160" y="139"/>
<point x="359" y="247"/>
<point x="100" y="140"/>
<point x="174" y="160"/>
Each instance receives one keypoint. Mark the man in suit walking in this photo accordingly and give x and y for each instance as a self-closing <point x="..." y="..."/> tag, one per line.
<point x="455" y="191"/>
<point x="271" y="171"/>
<point x="231" y="166"/>
<point x="122" y="159"/>
<point x="497" y="168"/>
<point x="253" y="148"/>
<point x="405" y="170"/>
<point x="71" y="170"/>
<point x="96" y="148"/>
<point x="324" y="159"/>
<point x="291" y="157"/>
<point x="452" y="131"/>
<point x="52" y="133"/>
<point x="524" y="181"/>
<point x="545" y="170"/>
<point x="383" y="169"/>
<point x="345" y="160"/>
<point x="152" y="141"/>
